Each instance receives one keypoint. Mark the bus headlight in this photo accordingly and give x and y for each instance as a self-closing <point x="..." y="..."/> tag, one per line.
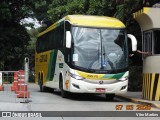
<point x="123" y="78"/>
<point x="76" y="76"/>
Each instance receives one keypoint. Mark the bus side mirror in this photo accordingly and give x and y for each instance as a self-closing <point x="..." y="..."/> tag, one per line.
<point x="134" y="42"/>
<point x="68" y="39"/>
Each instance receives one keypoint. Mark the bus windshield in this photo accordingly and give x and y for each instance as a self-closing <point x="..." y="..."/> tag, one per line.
<point x="99" y="48"/>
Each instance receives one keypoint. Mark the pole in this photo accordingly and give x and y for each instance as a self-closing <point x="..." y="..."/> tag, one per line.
<point x="26" y="77"/>
<point x="26" y="69"/>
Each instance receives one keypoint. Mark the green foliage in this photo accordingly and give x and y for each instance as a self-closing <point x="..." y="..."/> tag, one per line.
<point x="59" y="9"/>
<point x="15" y="10"/>
<point x="101" y="7"/>
<point x="124" y="10"/>
<point x="40" y="9"/>
<point x="121" y="9"/>
<point x="14" y="37"/>
<point x="14" y="40"/>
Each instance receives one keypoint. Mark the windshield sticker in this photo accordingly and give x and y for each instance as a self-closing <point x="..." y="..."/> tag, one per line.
<point x="75" y="57"/>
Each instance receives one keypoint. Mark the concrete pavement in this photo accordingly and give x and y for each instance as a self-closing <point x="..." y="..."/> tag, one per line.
<point x="8" y="101"/>
<point x="136" y="97"/>
<point x="49" y="101"/>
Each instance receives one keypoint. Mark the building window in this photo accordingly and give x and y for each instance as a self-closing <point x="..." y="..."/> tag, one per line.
<point x="148" y="42"/>
<point x="157" y="42"/>
<point x="151" y="42"/>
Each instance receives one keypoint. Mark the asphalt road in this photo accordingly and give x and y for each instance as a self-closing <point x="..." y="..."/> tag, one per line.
<point x="52" y="101"/>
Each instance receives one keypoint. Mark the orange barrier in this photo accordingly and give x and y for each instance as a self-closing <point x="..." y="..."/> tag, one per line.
<point x="13" y="88"/>
<point x="21" y="74"/>
<point x="1" y="87"/>
<point x="24" y="94"/>
<point x="18" y="78"/>
<point x="22" y="91"/>
<point x="20" y="81"/>
<point x="15" y="82"/>
<point x="1" y="82"/>
<point x="15" y="76"/>
<point x="19" y="86"/>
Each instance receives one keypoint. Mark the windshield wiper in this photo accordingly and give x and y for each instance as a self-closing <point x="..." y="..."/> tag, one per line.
<point x="103" y="53"/>
<point x="106" y="58"/>
<point x="101" y="49"/>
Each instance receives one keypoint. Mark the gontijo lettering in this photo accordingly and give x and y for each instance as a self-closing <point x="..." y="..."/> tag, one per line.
<point x="43" y="58"/>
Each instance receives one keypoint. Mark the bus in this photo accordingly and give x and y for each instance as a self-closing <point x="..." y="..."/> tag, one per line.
<point x="84" y="54"/>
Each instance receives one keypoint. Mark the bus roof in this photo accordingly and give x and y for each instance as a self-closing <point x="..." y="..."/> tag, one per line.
<point x="95" y="21"/>
<point x="88" y="21"/>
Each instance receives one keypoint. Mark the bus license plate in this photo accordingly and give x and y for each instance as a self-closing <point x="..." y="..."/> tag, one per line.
<point x="100" y="89"/>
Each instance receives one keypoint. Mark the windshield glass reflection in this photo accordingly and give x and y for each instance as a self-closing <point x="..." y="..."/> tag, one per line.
<point x="99" y="48"/>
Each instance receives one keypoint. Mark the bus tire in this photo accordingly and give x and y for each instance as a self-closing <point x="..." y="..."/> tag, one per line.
<point x="64" y="94"/>
<point x="41" y="86"/>
<point x="109" y="97"/>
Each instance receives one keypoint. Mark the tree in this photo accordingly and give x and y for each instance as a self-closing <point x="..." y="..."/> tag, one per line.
<point x="59" y="9"/>
<point x="14" y="37"/>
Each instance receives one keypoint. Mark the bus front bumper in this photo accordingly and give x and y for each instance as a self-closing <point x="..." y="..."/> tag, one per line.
<point x="80" y="86"/>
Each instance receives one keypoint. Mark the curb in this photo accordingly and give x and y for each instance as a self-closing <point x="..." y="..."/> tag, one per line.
<point x="135" y="100"/>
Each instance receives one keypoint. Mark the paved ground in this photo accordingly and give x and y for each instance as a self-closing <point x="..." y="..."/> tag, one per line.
<point x="136" y="97"/>
<point x="49" y="101"/>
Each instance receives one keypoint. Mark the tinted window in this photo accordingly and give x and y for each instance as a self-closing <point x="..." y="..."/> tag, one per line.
<point x="51" y="40"/>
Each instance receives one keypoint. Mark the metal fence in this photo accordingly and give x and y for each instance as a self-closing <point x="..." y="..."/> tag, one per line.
<point x="7" y="79"/>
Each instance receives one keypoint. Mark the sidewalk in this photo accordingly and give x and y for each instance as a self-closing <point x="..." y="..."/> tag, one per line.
<point x="137" y="98"/>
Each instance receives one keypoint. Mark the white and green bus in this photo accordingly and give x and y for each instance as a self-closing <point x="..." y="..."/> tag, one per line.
<point x="84" y="54"/>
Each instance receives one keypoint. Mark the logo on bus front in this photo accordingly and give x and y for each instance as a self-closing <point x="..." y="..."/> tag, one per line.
<point x="100" y="82"/>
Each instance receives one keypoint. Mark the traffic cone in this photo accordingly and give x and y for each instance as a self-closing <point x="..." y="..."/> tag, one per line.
<point x="15" y="82"/>
<point x="13" y="88"/>
<point x="1" y="87"/>
<point x="21" y="74"/>
<point x="22" y="91"/>
<point x="15" y="76"/>
<point x="21" y="81"/>
<point x="1" y="82"/>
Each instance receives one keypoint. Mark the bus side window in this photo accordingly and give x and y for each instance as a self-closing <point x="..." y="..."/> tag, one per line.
<point x="51" y="40"/>
<point x="61" y="36"/>
<point x="67" y="51"/>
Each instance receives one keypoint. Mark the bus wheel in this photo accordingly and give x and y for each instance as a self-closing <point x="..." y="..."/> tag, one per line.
<point x="64" y="93"/>
<point x="109" y="97"/>
<point x="42" y="88"/>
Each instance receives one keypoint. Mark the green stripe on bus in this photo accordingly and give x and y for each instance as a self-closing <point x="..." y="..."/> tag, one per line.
<point x="114" y="76"/>
<point x="52" y="65"/>
<point x="59" y="24"/>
